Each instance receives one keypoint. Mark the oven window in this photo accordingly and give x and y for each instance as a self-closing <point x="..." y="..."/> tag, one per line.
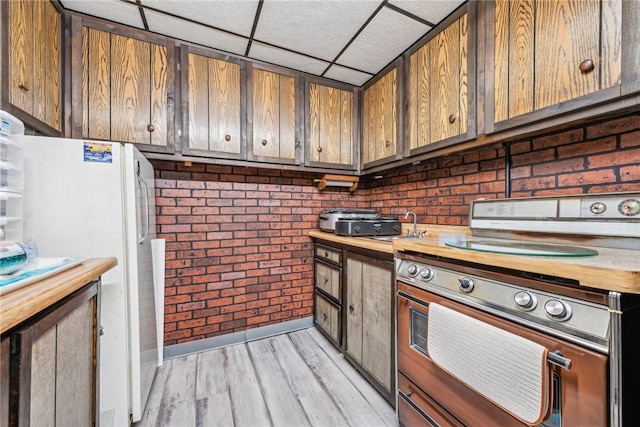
<point x="418" y="329"/>
<point x="555" y="420"/>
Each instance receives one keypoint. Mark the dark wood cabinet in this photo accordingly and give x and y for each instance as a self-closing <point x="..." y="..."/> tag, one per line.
<point x="213" y="105"/>
<point x="5" y="355"/>
<point x="546" y="58"/>
<point x="32" y="83"/>
<point x="440" y="90"/>
<point x="330" y="125"/>
<point x="380" y="119"/>
<point x="273" y="112"/>
<point x="125" y="93"/>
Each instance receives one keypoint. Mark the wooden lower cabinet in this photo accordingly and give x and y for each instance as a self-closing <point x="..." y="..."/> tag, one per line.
<point x="327" y="318"/>
<point x="53" y="378"/>
<point x="5" y="351"/>
<point x="369" y="320"/>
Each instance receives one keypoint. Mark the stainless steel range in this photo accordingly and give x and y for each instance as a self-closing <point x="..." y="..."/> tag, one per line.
<point x="479" y="345"/>
<point x="355" y="227"/>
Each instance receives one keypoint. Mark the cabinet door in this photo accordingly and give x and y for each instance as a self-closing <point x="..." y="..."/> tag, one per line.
<point x="125" y="89"/>
<point x="34" y="60"/>
<point x="214" y="93"/>
<point x="274" y="115"/>
<point x="369" y="316"/>
<point x="438" y="81"/>
<point x="327" y="317"/>
<point x="5" y="349"/>
<point x="330" y="125"/>
<point x="380" y="118"/>
<point x="553" y="51"/>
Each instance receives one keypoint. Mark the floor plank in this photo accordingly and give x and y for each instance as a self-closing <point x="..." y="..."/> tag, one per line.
<point x="295" y="379"/>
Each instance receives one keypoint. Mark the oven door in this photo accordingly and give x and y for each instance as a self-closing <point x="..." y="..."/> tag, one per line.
<point x="578" y="394"/>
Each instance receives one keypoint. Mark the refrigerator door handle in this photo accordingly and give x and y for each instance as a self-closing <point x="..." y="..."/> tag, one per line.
<point x="143" y="236"/>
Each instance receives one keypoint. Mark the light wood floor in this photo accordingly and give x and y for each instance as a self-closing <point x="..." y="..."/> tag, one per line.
<point x="295" y="379"/>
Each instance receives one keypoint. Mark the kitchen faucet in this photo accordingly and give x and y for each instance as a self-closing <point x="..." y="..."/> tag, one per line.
<point x="415" y="225"/>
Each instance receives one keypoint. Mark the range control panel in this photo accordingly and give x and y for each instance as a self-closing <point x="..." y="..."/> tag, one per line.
<point x="611" y="214"/>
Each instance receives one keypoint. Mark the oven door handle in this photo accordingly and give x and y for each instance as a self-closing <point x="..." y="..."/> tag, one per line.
<point x="556" y="358"/>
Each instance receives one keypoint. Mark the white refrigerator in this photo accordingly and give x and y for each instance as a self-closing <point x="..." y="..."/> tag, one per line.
<point x="91" y="199"/>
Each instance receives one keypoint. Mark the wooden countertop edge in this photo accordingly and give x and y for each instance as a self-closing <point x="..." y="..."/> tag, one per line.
<point x="359" y="242"/>
<point x="21" y="304"/>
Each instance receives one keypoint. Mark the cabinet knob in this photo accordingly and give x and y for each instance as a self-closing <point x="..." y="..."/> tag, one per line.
<point x="227" y="137"/>
<point x="452" y="118"/>
<point x="150" y="128"/>
<point x="387" y="143"/>
<point x="319" y="149"/>
<point x="587" y="66"/>
<point x="326" y="279"/>
<point x="351" y="308"/>
<point x="324" y="316"/>
<point x="326" y="254"/>
<point x="23" y="85"/>
<point x="264" y="142"/>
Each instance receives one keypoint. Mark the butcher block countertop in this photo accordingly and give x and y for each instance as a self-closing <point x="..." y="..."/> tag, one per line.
<point x="611" y="270"/>
<point x="23" y="303"/>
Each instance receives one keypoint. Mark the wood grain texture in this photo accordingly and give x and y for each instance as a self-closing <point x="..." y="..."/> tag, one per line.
<point x="158" y="93"/>
<point x="287" y="122"/>
<point x="21" y="53"/>
<point x="346" y="128"/>
<point x="501" y="20"/>
<point x="178" y="405"/>
<point x="328" y="279"/>
<point x="445" y="48"/>
<point x="25" y="302"/>
<point x="198" y="82"/>
<point x="327" y="317"/>
<point x="314" y="122"/>
<point x="266" y="113"/>
<point x="354" y="298"/>
<point x="566" y="34"/>
<point x="130" y="89"/>
<point x="46" y="72"/>
<point x="74" y="355"/>
<point x="420" y="98"/>
<point x="213" y="405"/>
<point x="377" y="322"/>
<point x="630" y="43"/>
<point x="224" y="106"/>
<point x="330" y="124"/>
<point x="42" y="402"/>
<point x="521" y="50"/>
<point x="387" y="115"/>
<point x="97" y="84"/>
<point x="611" y="43"/>
<point x="463" y="82"/>
<point x="369" y="124"/>
<point x="85" y="81"/>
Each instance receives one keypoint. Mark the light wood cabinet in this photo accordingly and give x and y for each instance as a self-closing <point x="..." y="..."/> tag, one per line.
<point x="214" y="88"/>
<point x="34" y="37"/>
<point x="380" y="119"/>
<point x="369" y="319"/>
<point x="327" y="318"/>
<point x="438" y="98"/>
<point x="57" y="364"/>
<point x="328" y="292"/>
<point x="274" y="104"/>
<point x="329" y="125"/>
<point x="126" y="89"/>
<point x="548" y="57"/>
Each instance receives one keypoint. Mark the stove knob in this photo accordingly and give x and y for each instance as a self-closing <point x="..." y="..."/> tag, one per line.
<point x="557" y="309"/>
<point x="465" y="284"/>
<point x="412" y="269"/>
<point x="525" y="300"/>
<point x="396" y="227"/>
<point x="426" y="273"/>
<point x="356" y="228"/>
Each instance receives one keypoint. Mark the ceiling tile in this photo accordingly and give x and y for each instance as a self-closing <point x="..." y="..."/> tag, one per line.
<point x="386" y="37"/>
<point x="285" y="58"/>
<point x="113" y="10"/>
<point x="232" y="15"/>
<point x="316" y="28"/>
<point x="347" y="75"/>
<point x="196" y="33"/>
<point x="433" y="11"/>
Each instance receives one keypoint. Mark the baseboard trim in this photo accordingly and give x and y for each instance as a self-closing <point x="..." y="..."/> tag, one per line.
<point x="184" y="349"/>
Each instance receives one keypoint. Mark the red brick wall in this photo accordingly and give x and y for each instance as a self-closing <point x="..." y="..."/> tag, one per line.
<point x="238" y="255"/>
<point x="600" y="157"/>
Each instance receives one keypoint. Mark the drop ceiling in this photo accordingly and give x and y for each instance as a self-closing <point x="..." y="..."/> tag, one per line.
<point x="344" y="40"/>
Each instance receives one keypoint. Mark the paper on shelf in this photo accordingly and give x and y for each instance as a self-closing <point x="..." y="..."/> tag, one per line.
<point x="35" y="270"/>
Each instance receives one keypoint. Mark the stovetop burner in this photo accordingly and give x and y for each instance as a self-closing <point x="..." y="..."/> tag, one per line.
<point x="383" y="226"/>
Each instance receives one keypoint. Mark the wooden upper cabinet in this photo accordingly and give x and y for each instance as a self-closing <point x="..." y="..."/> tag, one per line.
<point x="215" y="91"/>
<point x="330" y="126"/>
<point x="380" y="119"/>
<point x="274" y="106"/>
<point x="552" y="56"/>
<point x="34" y="64"/>
<point x="438" y="98"/>
<point x="127" y="87"/>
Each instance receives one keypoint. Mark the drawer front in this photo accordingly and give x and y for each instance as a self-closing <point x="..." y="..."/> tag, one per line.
<point x="416" y="409"/>
<point x="329" y="254"/>
<point x="328" y="279"/>
<point x="327" y="318"/>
